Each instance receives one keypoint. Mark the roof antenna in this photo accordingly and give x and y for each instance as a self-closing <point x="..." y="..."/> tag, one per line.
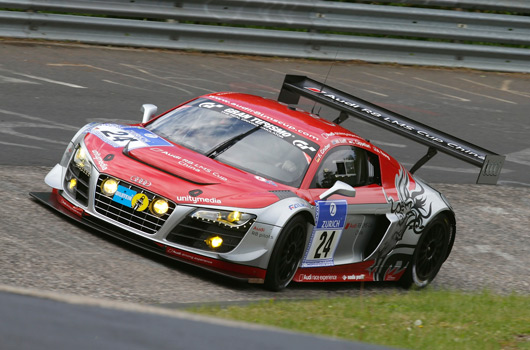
<point x="325" y="80"/>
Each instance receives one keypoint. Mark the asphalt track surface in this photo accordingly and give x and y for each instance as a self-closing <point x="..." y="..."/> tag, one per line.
<point x="48" y="91"/>
<point x="69" y="323"/>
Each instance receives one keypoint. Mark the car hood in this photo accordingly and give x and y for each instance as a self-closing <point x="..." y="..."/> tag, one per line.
<point x="175" y="172"/>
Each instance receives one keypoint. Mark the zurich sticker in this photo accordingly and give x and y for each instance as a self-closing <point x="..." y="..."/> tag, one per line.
<point x="330" y="221"/>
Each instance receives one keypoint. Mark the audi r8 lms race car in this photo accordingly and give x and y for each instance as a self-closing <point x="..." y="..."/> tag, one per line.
<point x="260" y="190"/>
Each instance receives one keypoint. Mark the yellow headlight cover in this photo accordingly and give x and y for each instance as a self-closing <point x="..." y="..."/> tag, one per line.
<point x="159" y="207"/>
<point x="109" y="186"/>
<point x="81" y="160"/>
<point x="234" y="216"/>
<point x="214" y="242"/>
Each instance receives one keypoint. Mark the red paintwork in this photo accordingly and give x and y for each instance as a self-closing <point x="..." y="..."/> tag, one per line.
<point x="72" y="208"/>
<point x="231" y="186"/>
<point x="338" y="273"/>
<point x="232" y="269"/>
<point x="357" y="272"/>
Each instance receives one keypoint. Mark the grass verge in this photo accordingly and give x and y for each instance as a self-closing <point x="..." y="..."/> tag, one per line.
<point x="427" y="319"/>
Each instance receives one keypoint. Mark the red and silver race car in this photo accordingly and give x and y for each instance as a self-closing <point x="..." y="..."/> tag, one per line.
<point x="259" y="190"/>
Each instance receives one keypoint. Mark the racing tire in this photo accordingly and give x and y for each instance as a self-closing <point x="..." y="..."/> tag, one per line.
<point x="287" y="254"/>
<point x="431" y="251"/>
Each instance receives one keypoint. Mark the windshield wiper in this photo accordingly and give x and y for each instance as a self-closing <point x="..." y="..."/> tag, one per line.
<point x="223" y="146"/>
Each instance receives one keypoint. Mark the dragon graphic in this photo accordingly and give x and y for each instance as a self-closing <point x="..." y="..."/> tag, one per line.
<point x="411" y="211"/>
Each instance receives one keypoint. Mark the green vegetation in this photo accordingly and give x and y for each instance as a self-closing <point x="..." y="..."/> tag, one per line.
<point x="425" y="319"/>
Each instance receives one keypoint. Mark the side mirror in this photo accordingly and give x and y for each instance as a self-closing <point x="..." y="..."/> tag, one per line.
<point x="339" y="188"/>
<point x="149" y="111"/>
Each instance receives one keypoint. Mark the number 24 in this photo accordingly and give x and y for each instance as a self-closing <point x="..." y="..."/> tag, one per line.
<point x="325" y="245"/>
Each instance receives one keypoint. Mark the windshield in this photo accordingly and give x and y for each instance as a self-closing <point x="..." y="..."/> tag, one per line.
<point x="238" y="139"/>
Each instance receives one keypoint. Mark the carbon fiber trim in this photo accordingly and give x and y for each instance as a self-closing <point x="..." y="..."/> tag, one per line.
<point x="283" y="194"/>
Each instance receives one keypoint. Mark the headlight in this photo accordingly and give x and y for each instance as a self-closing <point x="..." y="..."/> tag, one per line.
<point x="76" y="140"/>
<point x="67" y="154"/>
<point x="81" y="160"/>
<point x="159" y="207"/>
<point x="71" y="185"/>
<point x="109" y="186"/>
<point x="214" y="242"/>
<point x="232" y="219"/>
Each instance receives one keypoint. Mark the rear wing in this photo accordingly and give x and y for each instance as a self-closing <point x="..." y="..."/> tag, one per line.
<point x="490" y="163"/>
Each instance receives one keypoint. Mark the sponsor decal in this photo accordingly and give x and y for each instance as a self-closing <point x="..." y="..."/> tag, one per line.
<point x="274" y="129"/>
<point x="303" y="145"/>
<point x="320" y="91"/>
<point x="337" y="133"/>
<point x="378" y="151"/>
<point x="169" y="154"/>
<point x="195" y="193"/>
<point x="262" y="179"/>
<point x="193" y="166"/>
<point x="262" y="232"/>
<point x="124" y="196"/>
<point x="74" y="209"/>
<point x="359" y="225"/>
<point x="189" y="256"/>
<point x="119" y="136"/>
<point x="353" y="277"/>
<point x="396" y="122"/>
<point x="362" y="144"/>
<point x="130" y="198"/>
<point x="139" y="202"/>
<point x="100" y="161"/>
<point x="335" y="142"/>
<point x="264" y="121"/>
<point x="220" y="177"/>
<point x="109" y="157"/>
<point x="330" y="222"/>
<point x="141" y="181"/>
<point x="195" y="200"/>
<point x="298" y="205"/>
<point x="210" y="105"/>
<point x="254" y="274"/>
<point x="317" y="277"/>
<point x="264" y="116"/>
<point x="189" y="164"/>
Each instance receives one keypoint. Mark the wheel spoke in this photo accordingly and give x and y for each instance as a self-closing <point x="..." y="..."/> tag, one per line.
<point x="430" y="252"/>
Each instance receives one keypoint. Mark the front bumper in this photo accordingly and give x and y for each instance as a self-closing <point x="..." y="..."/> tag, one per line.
<point x="241" y="272"/>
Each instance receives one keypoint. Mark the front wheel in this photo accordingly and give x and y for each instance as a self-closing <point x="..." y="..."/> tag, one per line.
<point x="286" y="254"/>
<point x="431" y="251"/>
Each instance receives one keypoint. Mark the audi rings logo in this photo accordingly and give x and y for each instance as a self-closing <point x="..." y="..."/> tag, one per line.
<point x="140" y="181"/>
<point x="492" y="168"/>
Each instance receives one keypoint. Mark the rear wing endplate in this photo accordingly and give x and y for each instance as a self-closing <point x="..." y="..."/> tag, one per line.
<point x="490" y="164"/>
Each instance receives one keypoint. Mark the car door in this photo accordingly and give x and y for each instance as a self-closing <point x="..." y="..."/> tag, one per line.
<point x="347" y="229"/>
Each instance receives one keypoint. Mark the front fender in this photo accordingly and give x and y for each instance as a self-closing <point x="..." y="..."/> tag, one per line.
<point x="256" y="247"/>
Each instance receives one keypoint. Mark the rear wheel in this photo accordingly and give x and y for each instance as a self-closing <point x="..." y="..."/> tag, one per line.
<point x="430" y="253"/>
<point x="287" y="254"/>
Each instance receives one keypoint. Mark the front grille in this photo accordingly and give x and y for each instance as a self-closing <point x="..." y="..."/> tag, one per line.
<point x="193" y="233"/>
<point x="80" y="191"/>
<point x="143" y="220"/>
